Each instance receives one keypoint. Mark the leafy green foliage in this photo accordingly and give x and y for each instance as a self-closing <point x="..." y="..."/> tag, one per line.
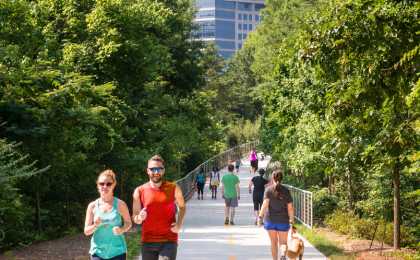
<point x="348" y="223"/>
<point x="13" y="167"/>
<point x="88" y="85"/>
<point x="339" y="87"/>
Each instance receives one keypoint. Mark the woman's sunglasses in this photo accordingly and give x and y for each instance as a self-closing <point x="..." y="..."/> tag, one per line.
<point x="108" y="184"/>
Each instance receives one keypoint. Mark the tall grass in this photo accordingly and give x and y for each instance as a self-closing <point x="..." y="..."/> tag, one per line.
<point x="324" y="245"/>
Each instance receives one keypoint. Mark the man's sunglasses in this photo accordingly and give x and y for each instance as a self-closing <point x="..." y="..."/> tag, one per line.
<point x="156" y="169"/>
<point x="108" y="184"/>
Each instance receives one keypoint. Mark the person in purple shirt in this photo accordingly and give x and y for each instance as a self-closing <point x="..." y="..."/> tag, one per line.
<point x="253" y="158"/>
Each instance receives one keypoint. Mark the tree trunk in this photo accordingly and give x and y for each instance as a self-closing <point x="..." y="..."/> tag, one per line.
<point x="331" y="183"/>
<point x="349" y="188"/>
<point x="397" y="209"/>
<point x="67" y="203"/>
<point x="38" y="212"/>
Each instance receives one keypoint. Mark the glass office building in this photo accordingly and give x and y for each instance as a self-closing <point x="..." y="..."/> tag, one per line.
<point x="226" y="23"/>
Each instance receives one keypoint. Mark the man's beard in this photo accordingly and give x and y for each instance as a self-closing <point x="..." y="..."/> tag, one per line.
<point x="156" y="179"/>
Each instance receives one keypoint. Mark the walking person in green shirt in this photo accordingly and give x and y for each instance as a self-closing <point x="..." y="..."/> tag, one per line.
<point x="231" y="194"/>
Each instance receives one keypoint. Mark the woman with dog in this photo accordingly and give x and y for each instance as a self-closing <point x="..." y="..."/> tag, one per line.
<point x="277" y="214"/>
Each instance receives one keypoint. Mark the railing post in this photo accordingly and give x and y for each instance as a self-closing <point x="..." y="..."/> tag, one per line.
<point x="302" y="202"/>
<point x="220" y="160"/>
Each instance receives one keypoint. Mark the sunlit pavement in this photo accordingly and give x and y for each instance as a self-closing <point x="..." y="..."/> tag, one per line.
<point x="205" y="236"/>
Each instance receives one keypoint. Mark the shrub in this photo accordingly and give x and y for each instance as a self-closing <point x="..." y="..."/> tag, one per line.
<point x="348" y="223"/>
<point x="323" y="204"/>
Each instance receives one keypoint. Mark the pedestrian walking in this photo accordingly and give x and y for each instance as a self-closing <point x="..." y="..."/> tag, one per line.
<point x="237" y="165"/>
<point x="200" y="181"/>
<point x="259" y="183"/>
<point x="253" y="159"/>
<point x="214" y="181"/>
<point x="155" y="206"/>
<point x="107" y="219"/>
<point x="277" y="214"/>
<point x="231" y="194"/>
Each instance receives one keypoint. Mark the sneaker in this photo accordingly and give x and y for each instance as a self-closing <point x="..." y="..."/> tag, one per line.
<point x="231" y="222"/>
<point x="283" y="257"/>
<point x="226" y="221"/>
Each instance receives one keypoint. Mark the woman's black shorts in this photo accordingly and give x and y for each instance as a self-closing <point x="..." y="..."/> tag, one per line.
<point x="258" y="200"/>
<point x="254" y="164"/>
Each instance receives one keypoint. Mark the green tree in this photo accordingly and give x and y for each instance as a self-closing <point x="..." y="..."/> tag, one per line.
<point x="339" y="83"/>
<point x="13" y="167"/>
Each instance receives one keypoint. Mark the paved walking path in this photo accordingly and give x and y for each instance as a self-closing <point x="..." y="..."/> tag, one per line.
<point x="204" y="235"/>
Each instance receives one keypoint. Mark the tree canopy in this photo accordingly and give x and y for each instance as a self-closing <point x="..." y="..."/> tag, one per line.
<point x="94" y="84"/>
<point x="339" y="83"/>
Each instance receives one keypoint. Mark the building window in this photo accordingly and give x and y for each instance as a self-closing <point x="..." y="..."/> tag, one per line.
<point x="240" y="16"/>
<point x="250" y="27"/>
<point x="206" y="29"/>
<point x="245" y="17"/>
<point x="205" y="3"/>
<point x="257" y="17"/>
<point x="245" y="26"/>
<point x="258" y="7"/>
<point x="244" y="6"/>
<point x="250" y="17"/>
<point x="239" y="36"/>
<point x="239" y="45"/>
<point x="225" y="4"/>
<point x="205" y="14"/>
<point x="239" y="26"/>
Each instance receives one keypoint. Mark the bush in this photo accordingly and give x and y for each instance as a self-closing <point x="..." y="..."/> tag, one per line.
<point x="323" y="204"/>
<point x="348" y="223"/>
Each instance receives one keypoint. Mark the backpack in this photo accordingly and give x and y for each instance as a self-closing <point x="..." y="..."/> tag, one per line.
<point x="201" y="178"/>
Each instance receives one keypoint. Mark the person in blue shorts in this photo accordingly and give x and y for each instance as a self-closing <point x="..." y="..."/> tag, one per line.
<point x="278" y="216"/>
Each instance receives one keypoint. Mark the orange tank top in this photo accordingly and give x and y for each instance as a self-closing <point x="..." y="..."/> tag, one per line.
<point x="161" y="209"/>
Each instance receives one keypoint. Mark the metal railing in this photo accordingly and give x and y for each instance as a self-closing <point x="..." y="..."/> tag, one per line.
<point x="302" y="203"/>
<point x="221" y="160"/>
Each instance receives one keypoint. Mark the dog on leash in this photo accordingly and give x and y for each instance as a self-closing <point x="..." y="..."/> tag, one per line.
<point x="295" y="246"/>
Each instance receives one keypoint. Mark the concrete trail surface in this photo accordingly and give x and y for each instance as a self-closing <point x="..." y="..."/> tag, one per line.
<point x="204" y="235"/>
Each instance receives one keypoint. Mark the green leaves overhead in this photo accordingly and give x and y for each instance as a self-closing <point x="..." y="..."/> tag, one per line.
<point x="87" y="85"/>
<point x="339" y="83"/>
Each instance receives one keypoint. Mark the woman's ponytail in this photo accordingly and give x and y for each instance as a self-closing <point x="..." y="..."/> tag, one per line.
<point x="277" y="177"/>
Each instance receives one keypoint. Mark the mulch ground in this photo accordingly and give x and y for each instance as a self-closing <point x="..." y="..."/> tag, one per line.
<point x="360" y="249"/>
<point x="75" y="247"/>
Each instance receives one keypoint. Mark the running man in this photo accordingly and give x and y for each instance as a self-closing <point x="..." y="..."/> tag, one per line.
<point x="154" y="206"/>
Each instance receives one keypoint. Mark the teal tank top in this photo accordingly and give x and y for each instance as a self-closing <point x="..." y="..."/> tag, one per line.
<point x="104" y="243"/>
